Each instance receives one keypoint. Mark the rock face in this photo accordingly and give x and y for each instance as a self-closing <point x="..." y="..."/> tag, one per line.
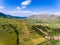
<point x="46" y="17"/>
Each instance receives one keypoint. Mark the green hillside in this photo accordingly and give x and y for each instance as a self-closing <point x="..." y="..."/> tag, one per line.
<point x="7" y="34"/>
<point x="24" y="32"/>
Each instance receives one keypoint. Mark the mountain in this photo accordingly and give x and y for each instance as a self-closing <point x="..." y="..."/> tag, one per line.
<point x="44" y="17"/>
<point x="9" y="16"/>
<point x="3" y="15"/>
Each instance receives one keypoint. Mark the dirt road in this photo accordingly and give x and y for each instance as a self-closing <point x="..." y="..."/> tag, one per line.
<point x="25" y="35"/>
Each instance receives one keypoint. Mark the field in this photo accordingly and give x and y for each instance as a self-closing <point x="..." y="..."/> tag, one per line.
<point x="21" y="32"/>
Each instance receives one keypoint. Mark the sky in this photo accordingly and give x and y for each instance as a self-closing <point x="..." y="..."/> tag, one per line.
<point x="29" y="7"/>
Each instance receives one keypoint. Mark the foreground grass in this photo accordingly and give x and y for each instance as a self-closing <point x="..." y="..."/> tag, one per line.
<point x="27" y="36"/>
<point x="38" y="40"/>
<point x="7" y="35"/>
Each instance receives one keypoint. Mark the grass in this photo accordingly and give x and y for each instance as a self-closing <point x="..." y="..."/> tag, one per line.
<point x="58" y="43"/>
<point x="8" y="34"/>
<point x="38" y="40"/>
<point x="53" y="26"/>
<point x="2" y="43"/>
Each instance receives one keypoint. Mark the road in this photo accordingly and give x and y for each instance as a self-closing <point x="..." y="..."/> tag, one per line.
<point x="26" y="33"/>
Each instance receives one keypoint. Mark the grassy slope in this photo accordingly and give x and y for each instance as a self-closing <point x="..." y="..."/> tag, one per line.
<point x="7" y="38"/>
<point x="53" y="26"/>
<point x="27" y="36"/>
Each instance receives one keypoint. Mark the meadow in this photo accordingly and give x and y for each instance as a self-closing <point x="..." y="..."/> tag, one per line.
<point x="27" y="33"/>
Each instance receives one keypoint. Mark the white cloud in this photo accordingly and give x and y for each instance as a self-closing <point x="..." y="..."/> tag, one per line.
<point x="56" y="13"/>
<point x="25" y="12"/>
<point x="2" y="7"/>
<point x="25" y="3"/>
<point x="23" y="6"/>
<point x="18" y="8"/>
<point x="28" y="12"/>
<point x="19" y="13"/>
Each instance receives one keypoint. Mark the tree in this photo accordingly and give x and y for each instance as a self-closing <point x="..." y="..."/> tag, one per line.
<point x="15" y="30"/>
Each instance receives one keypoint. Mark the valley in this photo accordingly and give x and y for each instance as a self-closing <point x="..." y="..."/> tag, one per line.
<point x="16" y="31"/>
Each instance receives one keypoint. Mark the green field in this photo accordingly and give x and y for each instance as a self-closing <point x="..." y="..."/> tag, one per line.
<point x="26" y="34"/>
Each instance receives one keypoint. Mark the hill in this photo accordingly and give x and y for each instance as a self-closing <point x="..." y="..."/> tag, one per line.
<point x="44" y="17"/>
<point x="9" y="16"/>
<point x="20" y="32"/>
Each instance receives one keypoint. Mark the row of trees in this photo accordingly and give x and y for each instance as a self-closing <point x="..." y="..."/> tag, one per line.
<point x="45" y="29"/>
<point x="10" y="31"/>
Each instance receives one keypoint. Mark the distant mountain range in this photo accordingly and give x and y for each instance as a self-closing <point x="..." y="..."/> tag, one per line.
<point x="41" y="17"/>
<point x="44" y="17"/>
<point x="9" y="16"/>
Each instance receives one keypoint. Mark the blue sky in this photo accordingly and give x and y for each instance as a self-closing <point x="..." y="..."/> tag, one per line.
<point x="29" y="7"/>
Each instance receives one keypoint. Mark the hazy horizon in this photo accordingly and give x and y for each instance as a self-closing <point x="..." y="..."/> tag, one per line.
<point x="28" y="7"/>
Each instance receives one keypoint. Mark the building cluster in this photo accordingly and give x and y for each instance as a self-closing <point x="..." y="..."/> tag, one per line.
<point x="54" y="37"/>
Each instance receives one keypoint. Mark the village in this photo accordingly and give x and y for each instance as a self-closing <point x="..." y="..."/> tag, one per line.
<point x="54" y="37"/>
